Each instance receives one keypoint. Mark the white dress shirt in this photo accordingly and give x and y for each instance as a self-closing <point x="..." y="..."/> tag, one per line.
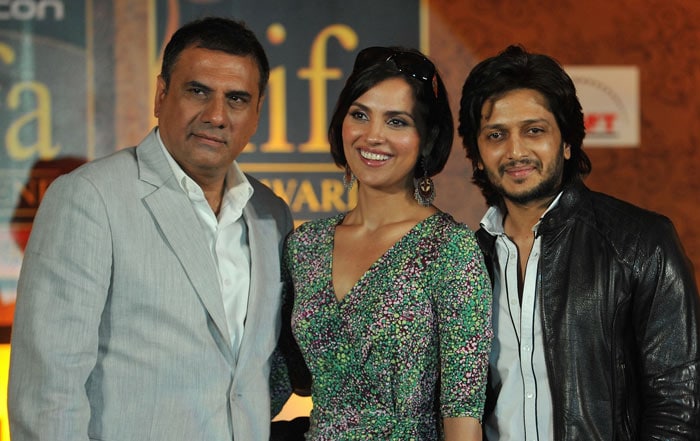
<point x="518" y="371"/>
<point x="228" y="241"/>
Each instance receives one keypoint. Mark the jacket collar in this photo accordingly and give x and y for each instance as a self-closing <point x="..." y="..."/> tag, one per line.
<point x="152" y="163"/>
<point x="571" y="203"/>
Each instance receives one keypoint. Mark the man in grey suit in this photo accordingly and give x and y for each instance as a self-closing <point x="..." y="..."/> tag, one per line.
<point x="149" y="299"/>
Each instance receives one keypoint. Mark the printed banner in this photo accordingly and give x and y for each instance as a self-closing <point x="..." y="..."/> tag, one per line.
<point x="311" y="47"/>
<point x="609" y="96"/>
<point x="59" y="106"/>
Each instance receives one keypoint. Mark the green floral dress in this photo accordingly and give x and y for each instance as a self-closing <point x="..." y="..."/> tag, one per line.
<point x="407" y="346"/>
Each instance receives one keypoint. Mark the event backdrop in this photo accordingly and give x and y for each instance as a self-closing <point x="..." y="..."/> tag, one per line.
<point x="63" y="66"/>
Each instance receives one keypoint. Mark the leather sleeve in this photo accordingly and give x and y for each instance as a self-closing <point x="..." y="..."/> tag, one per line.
<point x="668" y="317"/>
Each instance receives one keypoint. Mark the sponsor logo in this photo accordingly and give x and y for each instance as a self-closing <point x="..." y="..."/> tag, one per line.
<point x="30" y="10"/>
<point x="609" y="96"/>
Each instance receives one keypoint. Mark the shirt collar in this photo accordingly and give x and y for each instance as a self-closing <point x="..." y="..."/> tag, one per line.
<point x="238" y="189"/>
<point x="492" y="221"/>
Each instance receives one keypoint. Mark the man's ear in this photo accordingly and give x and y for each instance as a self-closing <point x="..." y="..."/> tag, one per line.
<point x="261" y="100"/>
<point x="161" y="91"/>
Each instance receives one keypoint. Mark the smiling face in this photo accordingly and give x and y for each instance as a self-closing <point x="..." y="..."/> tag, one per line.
<point x="208" y="112"/>
<point x="380" y="138"/>
<point x="521" y="147"/>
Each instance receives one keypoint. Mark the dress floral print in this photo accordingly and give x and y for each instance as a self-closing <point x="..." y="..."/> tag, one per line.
<point x="407" y="346"/>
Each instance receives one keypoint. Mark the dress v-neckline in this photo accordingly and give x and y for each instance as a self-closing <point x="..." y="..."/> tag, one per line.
<point x="372" y="267"/>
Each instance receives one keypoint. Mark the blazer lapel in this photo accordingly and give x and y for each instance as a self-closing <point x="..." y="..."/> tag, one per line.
<point x="264" y="263"/>
<point x="175" y="217"/>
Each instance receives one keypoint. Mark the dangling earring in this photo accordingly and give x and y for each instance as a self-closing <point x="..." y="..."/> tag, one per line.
<point x="348" y="178"/>
<point x="424" y="188"/>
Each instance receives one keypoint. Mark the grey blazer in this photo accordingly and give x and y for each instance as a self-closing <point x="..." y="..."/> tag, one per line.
<point x="119" y="331"/>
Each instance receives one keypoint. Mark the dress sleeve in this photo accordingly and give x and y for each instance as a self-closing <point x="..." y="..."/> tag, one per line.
<point x="463" y="304"/>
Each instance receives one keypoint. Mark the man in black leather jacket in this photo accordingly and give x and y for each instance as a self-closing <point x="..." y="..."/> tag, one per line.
<point x="596" y="309"/>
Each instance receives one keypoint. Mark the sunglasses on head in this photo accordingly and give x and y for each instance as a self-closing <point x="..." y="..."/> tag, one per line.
<point x="408" y="63"/>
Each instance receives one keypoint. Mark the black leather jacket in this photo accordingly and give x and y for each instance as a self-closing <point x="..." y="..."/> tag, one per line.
<point x="620" y="320"/>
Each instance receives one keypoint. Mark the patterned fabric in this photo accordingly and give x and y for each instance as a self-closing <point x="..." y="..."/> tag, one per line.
<point x="407" y="346"/>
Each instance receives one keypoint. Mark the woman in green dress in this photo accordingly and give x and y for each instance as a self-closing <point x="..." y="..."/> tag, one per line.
<point x="390" y="303"/>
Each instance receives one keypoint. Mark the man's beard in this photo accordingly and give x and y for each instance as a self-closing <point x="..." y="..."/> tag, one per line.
<point x="549" y="186"/>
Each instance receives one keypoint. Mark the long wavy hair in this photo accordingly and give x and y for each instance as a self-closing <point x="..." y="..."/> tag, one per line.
<point x="512" y="69"/>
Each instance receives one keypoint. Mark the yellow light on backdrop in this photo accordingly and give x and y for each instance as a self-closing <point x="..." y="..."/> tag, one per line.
<point x="296" y="406"/>
<point x="4" y="370"/>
